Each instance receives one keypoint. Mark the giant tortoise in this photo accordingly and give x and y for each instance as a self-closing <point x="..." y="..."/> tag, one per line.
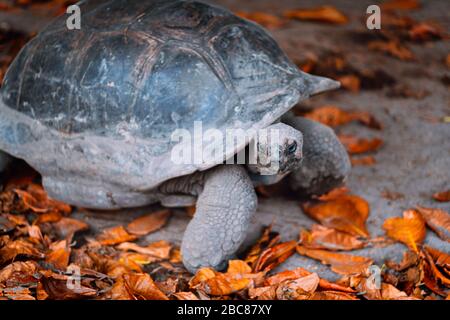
<point x="95" y="111"/>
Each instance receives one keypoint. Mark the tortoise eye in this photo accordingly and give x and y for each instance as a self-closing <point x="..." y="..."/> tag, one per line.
<point x="292" y="147"/>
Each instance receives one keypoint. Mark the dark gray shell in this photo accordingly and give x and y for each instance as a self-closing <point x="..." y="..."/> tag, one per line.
<point x="110" y="95"/>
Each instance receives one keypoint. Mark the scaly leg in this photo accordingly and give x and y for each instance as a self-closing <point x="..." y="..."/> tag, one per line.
<point x="226" y="202"/>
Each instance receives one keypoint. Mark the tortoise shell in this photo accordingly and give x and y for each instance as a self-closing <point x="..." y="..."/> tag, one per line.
<point x="102" y="102"/>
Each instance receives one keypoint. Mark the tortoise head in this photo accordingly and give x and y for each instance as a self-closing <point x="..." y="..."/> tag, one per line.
<point x="278" y="149"/>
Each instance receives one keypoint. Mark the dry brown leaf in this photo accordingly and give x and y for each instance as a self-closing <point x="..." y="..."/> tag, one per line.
<point x="185" y="296"/>
<point x="16" y="293"/>
<point x="438" y="220"/>
<point x="274" y="256"/>
<point x="340" y="262"/>
<point x="355" y="145"/>
<point x="18" y="273"/>
<point x="48" y="217"/>
<point x="435" y="271"/>
<point x="263" y="293"/>
<point x="114" y="235"/>
<point x="440" y="258"/>
<point x="136" y="286"/>
<point x="57" y="289"/>
<point x="363" y="161"/>
<point x="333" y="194"/>
<point x="332" y="295"/>
<point x="347" y="213"/>
<point x="400" y="5"/>
<point x="326" y="14"/>
<point x="389" y="292"/>
<point x="350" y="82"/>
<point x="409" y="260"/>
<point x="267" y="240"/>
<point x="265" y="19"/>
<point x="36" y="199"/>
<point x="218" y="284"/>
<point x="322" y="237"/>
<point x="393" y="48"/>
<point x="425" y="31"/>
<point x="410" y="229"/>
<point x="298" y="289"/>
<point x="160" y="249"/>
<point x="447" y="60"/>
<point x="334" y="116"/>
<point x="18" y="247"/>
<point x="67" y="227"/>
<point x="59" y="254"/>
<point x="149" y="223"/>
<point x="300" y="272"/>
<point x="238" y="266"/>
<point x="443" y="196"/>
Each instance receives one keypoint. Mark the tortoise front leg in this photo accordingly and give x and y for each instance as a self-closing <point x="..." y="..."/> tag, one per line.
<point x="224" y="208"/>
<point x="325" y="164"/>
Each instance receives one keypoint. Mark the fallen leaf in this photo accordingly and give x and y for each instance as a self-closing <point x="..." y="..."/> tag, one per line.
<point x="435" y="271"/>
<point x="409" y="260"/>
<point x="114" y="235"/>
<point x="16" y="293"/>
<point x="440" y="258"/>
<point x="326" y="14"/>
<point x="355" y="145"/>
<point x="57" y="289"/>
<point x="263" y="293"/>
<point x="136" y="286"/>
<point x="332" y="295"/>
<point x="48" y="217"/>
<point x="410" y="229"/>
<point x="185" y="296"/>
<point x="218" y="284"/>
<point x="265" y="19"/>
<point x="300" y="272"/>
<point x="160" y="249"/>
<point x="238" y="266"/>
<point x="340" y="262"/>
<point x="443" y="196"/>
<point x="149" y="223"/>
<point x="18" y="273"/>
<point x="35" y="198"/>
<point x="59" y="254"/>
<point x="389" y="292"/>
<point x="334" y="116"/>
<point x="274" y="256"/>
<point x="333" y="194"/>
<point x="298" y="289"/>
<point x="363" y="161"/>
<point x="322" y="237"/>
<point x="400" y="5"/>
<point x="425" y="31"/>
<point x="267" y="240"/>
<point x="19" y="247"/>
<point x="438" y="220"/>
<point x="350" y="82"/>
<point x="393" y="48"/>
<point x="347" y="213"/>
<point x="66" y="227"/>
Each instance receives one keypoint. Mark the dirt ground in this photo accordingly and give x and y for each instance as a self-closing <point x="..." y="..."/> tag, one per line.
<point x="414" y="161"/>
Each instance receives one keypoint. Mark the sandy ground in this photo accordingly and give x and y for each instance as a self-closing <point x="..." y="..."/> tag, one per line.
<point x="414" y="160"/>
